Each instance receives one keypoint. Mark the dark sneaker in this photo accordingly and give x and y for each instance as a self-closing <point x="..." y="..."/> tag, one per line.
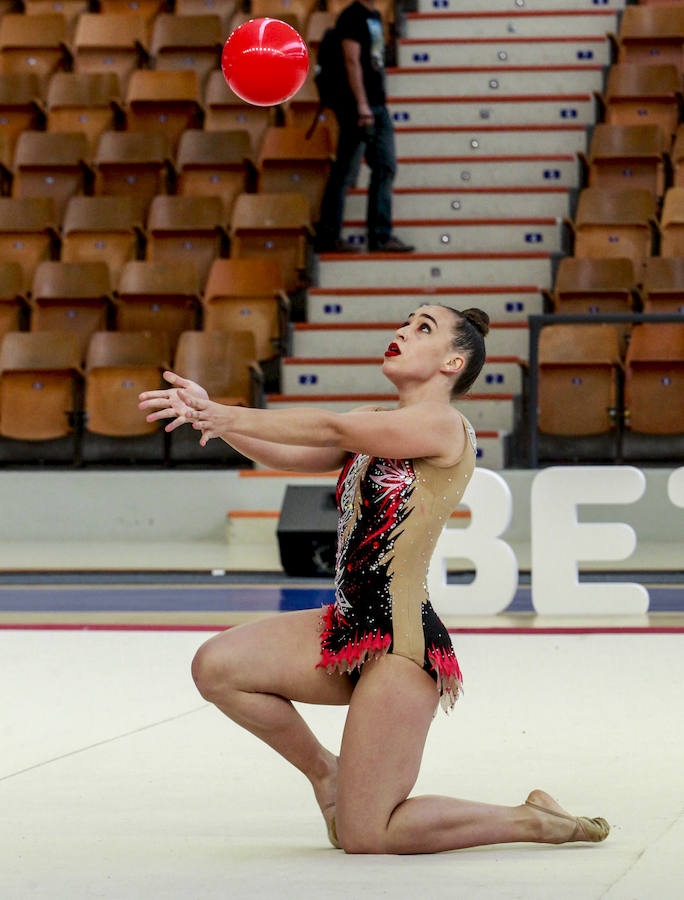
<point x="393" y="245"/>
<point x="339" y="247"/>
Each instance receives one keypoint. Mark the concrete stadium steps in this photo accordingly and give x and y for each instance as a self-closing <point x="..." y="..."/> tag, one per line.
<point x="368" y="339"/>
<point x="456" y="204"/>
<point x="503" y="304"/>
<point x="418" y="270"/>
<point x="340" y="375"/>
<point x="505" y="51"/>
<point x="446" y="24"/>
<point x="485" y="412"/>
<point x="427" y="6"/>
<point x="523" y="140"/>
<point x="469" y="81"/>
<point x="540" y="109"/>
<point x="469" y="235"/>
<point x="486" y="171"/>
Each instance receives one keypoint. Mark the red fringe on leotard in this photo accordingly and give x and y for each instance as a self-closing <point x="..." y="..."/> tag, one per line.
<point x="449" y="678"/>
<point x="355" y="652"/>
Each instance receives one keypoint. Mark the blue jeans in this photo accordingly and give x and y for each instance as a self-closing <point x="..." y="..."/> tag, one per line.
<point x="379" y="153"/>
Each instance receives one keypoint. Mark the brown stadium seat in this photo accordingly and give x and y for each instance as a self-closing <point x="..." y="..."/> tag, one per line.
<point x="187" y="42"/>
<point x="51" y="165"/>
<point x="163" y="101"/>
<point x="133" y="163"/>
<point x="71" y="297"/>
<point x="615" y="224"/>
<point x="593" y="285"/>
<point x="628" y="156"/>
<point x="301" y="109"/>
<point x="87" y="101"/>
<point x="186" y="229"/>
<point x="70" y="9"/>
<point x="28" y="232"/>
<point x="224" y="9"/>
<point x="248" y="295"/>
<point x="34" y="44"/>
<point x="101" y="229"/>
<point x="215" y="163"/>
<point x="274" y="225"/>
<point x="651" y="34"/>
<point x="148" y="10"/>
<point x="643" y="95"/>
<point x="20" y="108"/>
<point x="578" y="366"/>
<point x="119" y="366"/>
<point x="222" y="363"/>
<point x="319" y="22"/>
<point x="159" y="297"/>
<point x="12" y="297"/>
<point x="663" y="287"/>
<point x="38" y="376"/>
<point x="677" y="157"/>
<point x="225" y="111"/>
<point x="285" y="10"/>
<point x="654" y="379"/>
<point x="288" y="161"/>
<point x="110" y="44"/>
<point x="672" y="223"/>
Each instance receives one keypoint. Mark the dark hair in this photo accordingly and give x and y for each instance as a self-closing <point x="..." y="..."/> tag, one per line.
<point x="471" y="327"/>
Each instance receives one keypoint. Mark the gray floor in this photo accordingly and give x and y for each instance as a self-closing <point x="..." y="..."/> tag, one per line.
<point x="117" y="781"/>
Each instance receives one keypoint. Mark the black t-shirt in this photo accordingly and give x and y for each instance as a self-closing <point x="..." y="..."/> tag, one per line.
<point x="363" y="25"/>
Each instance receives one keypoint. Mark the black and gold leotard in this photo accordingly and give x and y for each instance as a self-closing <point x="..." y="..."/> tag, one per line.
<point x="391" y="513"/>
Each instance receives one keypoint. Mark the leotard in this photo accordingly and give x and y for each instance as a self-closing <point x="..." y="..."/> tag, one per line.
<point x="391" y="512"/>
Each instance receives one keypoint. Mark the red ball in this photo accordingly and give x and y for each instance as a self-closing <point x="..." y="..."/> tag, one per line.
<point x="265" y="61"/>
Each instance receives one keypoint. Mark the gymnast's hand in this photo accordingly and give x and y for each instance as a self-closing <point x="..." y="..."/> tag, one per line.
<point x="169" y="404"/>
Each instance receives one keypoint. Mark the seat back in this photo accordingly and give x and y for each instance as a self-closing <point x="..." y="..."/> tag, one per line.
<point x="628" y="156"/>
<point x="163" y="101"/>
<point x="110" y="43"/>
<point x="615" y="224"/>
<point x="672" y="223"/>
<point x="101" y="229"/>
<point x="160" y="297"/>
<point x="224" y="9"/>
<point x="86" y="102"/>
<point x="19" y="106"/>
<point x="651" y="34"/>
<point x="135" y="164"/>
<point x="218" y="361"/>
<point x="663" y="288"/>
<point x="187" y="42"/>
<point x="50" y="165"/>
<point x="214" y="163"/>
<point x="594" y="285"/>
<point x="33" y="44"/>
<point x="12" y="297"/>
<point x="640" y="95"/>
<point x="186" y="228"/>
<point x="654" y="379"/>
<point x="225" y="111"/>
<point x="289" y="161"/>
<point x="28" y="230"/>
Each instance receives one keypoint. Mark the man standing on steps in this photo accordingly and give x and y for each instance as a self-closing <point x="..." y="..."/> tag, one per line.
<point x="364" y="119"/>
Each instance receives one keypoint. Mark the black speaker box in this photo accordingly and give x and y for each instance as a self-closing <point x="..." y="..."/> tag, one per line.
<point x="307" y="531"/>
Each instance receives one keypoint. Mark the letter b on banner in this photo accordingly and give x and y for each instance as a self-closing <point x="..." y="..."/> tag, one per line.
<point x="496" y="567"/>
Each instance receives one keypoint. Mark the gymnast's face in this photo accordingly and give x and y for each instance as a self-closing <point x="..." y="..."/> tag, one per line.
<point x="423" y="346"/>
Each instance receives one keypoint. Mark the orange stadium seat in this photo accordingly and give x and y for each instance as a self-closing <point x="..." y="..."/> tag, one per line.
<point x="70" y="9"/>
<point x="672" y="223"/>
<point x="225" y="111"/>
<point x="119" y="366"/>
<point x="222" y="363"/>
<point x="654" y="379"/>
<point x="101" y="229"/>
<point x="133" y="163"/>
<point x="33" y="44"/>
<point x="148" y="10"/>
<point x="578" y="366"/>
<point x="163" y="101"/>
<point x="663" y="287"/>
<point x="275" y="225"/>
<point x="72" y="297"/>
<point x="305" y="105"/>
<point x="615" y="224"/>
<point x="628" y="156"/>
<point x="159" y="297"/>
<point x="224" y="9"/>
<point x="248" y="295"/>
<point x="110" y="43"/>
<point x="215" y="163"/>
<point x="296" y="11"/>
<point x="186" y="228"/>
<point x="51" y="165"/>
<point x="20" y="106"/>
<point x="83" y="101"/>
<point x="12" y="297"/>
<point x="319" y="22"/>
<point x="187" y="42"/>
<point x="651" y="34"/>
<point x="289" y="161"/>
<point x="677" y="157"/>
<point x="28" y="232"/>
<point x="38" y="380"/>
<point x="594" y="285"/>
<point x="643" y="95"/>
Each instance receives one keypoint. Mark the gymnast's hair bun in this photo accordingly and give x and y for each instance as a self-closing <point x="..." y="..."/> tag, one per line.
<point x="478" y="318"/>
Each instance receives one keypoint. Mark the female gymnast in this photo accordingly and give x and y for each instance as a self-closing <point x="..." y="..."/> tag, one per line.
<point x="380" y="648"/>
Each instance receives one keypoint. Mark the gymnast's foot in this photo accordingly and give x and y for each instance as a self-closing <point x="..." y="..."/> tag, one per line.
<point x="559" y="827"/>
<point x="326" y="794"/>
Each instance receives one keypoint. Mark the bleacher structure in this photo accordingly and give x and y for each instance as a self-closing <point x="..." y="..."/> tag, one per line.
<point x="151" y="218"/>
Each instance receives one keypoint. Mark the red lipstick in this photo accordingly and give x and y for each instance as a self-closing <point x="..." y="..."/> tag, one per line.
<point x="392" y="350"/>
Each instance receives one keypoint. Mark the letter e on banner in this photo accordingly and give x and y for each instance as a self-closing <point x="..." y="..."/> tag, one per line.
<point x="559" y="541"/>
<point x="496" y="566"/>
